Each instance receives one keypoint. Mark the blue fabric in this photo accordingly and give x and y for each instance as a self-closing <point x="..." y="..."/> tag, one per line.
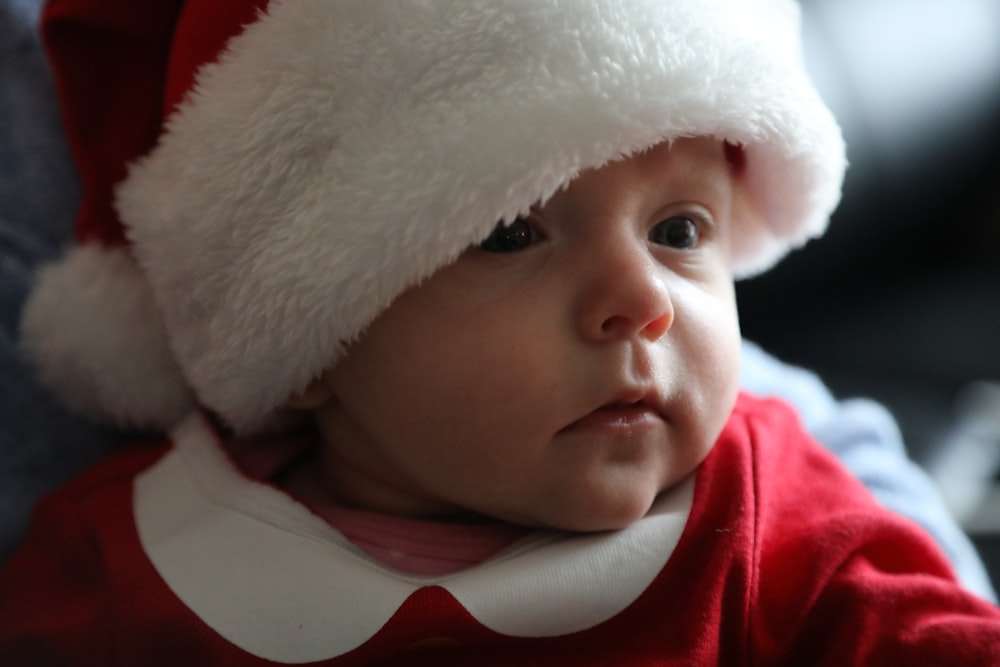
<point x="42" y="445"/>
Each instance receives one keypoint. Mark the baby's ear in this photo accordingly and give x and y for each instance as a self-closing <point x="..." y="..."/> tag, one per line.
<point x="315" y="395"/>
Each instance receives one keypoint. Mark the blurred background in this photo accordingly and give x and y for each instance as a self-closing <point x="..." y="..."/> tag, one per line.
<point x="900" y="301"/>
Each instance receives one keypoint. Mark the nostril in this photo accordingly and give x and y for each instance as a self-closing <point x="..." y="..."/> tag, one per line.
<point x="613" y="324"/>
<point x="656" y="328"/>
<point x="652" y="330"/>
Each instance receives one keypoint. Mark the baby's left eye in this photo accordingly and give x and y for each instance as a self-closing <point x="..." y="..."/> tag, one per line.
<point x="677" y="232"/>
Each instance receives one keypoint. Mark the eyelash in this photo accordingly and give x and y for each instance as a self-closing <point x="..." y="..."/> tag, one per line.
<point x="519" y="235"/>
<point x="522" y="233"/>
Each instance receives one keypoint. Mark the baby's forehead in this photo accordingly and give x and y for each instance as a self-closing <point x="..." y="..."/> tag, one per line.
<point x="685" y="155"/>
<point x="699" y="167"/>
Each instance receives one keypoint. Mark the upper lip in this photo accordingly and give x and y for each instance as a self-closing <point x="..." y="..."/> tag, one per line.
<point x="630" y="397"/>
<point x="633" y="397"/>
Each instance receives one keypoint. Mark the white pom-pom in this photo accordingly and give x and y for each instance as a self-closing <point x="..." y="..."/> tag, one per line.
<point x="93" y="331"/>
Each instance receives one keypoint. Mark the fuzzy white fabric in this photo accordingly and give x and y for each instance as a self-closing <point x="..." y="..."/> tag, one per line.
<point x="92" y="329"/>
<point x="340" y="152"/>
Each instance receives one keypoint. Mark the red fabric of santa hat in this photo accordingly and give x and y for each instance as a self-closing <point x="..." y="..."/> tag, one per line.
<point x="295" y="165"/>
<point x="91" y="324"/>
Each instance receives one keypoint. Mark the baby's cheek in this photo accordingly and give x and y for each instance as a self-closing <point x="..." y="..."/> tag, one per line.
<point x="717" y="362"/>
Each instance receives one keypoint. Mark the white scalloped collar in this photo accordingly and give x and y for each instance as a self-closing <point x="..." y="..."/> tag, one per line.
<point x="280" y="583"/>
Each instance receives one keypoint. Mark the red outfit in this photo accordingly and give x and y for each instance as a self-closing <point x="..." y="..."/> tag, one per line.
<point x="772" y="554"/>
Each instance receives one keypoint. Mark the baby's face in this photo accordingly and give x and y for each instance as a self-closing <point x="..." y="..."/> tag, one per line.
<point x="580" y="362"/>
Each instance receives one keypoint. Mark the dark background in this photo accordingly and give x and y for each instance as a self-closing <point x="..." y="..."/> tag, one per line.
<point x="900" y="301"/>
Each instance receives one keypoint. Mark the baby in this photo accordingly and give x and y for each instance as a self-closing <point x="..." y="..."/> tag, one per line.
<point x="487" y="251"/>
<point x="564" y="372"/>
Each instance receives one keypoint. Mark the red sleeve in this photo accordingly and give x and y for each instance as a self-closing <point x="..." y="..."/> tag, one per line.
<point x="53" y="597"/>
<point x="842" y="581"/>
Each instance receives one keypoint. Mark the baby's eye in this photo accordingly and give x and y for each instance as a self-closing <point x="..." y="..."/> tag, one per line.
<point x="677" y="232"/>
<point x="515" y="237"/>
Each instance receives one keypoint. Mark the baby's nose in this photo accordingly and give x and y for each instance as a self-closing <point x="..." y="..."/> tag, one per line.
<point x="626" y="295"/>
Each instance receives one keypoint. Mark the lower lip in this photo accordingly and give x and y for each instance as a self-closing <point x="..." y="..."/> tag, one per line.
<point x="619" y="419"/>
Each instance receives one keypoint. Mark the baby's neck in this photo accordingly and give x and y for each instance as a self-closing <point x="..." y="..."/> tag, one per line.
<point x="313" y="479"/>
<point x="414" y="545"/>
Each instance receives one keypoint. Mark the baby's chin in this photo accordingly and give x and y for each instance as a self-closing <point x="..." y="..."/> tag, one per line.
<point x="593" y="517"/>
<point x="617" y="511"/>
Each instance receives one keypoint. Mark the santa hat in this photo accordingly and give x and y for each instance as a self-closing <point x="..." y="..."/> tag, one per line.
<point x="263" y="178"/>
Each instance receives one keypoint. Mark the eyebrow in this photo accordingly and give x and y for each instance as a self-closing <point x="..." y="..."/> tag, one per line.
<point x="713" y="180"/>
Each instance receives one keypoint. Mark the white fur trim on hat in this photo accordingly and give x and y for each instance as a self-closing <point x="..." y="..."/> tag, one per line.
<point x="91" y="328"/>
<point x="340" y="152"/>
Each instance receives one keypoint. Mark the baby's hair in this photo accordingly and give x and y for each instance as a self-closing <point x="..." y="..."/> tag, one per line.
<point x="736" y="157"/>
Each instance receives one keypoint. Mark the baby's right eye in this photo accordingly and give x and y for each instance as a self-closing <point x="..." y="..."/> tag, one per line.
<point x="515" y="237"/>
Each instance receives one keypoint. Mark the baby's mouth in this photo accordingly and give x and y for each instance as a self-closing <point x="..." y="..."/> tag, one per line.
<point x="618" y="416"/>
